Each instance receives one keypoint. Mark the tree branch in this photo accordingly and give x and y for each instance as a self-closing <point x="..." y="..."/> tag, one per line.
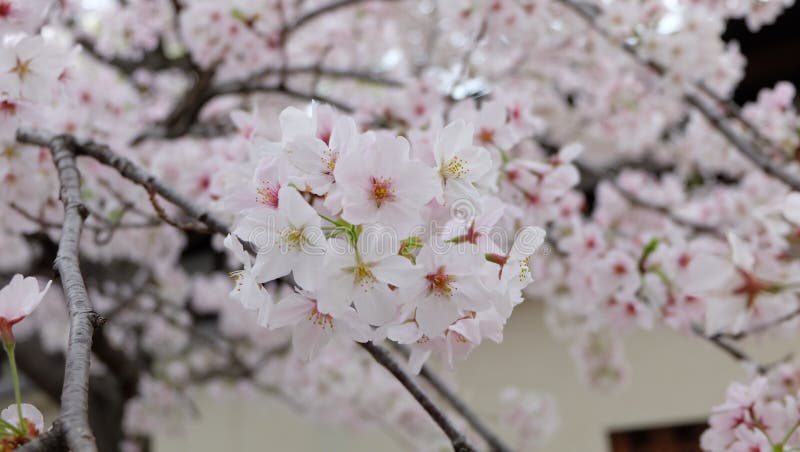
<point x="131" y="171"/>
<point x="760" y="328"/>
<point x="321" y="71"/>
<point x="383" y="358"/>
<point x="731" y="350"/>
<point x="74" y="417"/>
<point x="698" y="228"/>
<point x="495" y="443"/>
<point x="247" y="87"/>
<point x="51" y="440"/>
<point x="152" y="60"/>
<point x="298" y="23"/>
<point x="746" y="147"/>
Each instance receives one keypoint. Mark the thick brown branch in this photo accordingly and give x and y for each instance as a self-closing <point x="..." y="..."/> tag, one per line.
<point x="45" y="370"/>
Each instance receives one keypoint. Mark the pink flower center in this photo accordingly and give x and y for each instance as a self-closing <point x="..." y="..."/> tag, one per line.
<point x="5" y="9"/>
<point x="9" y="108"/>
<point x="486" y="136"/>
<point x="439" y="282"/>
<point x="382" y="191"/>
<point x="268" y="194"/>
<point x="324" y="321"/>
<point x="751" y="287"/>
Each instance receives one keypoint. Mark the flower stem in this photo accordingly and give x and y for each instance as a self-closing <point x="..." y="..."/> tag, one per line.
<point x="329" y="219"/>
<point x="790" y="433"/>
<point x="9" y="348"/>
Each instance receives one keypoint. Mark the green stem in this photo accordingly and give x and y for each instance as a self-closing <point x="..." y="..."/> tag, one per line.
<point x="9" y="348"/>
<point x="790" y="432"/>
<point x="328" y="219"/>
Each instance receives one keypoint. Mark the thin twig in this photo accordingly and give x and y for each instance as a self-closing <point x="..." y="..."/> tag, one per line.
<point x="298" y="23"/>
<point x="494" y="442"/>
<point x="44" y="224"/>
<point x="733" y="351"/>
<point x="746" y="147"/>
<point x="734" y="111"/>
<point x="257" y="87"/>
<point x="696" y="227"/>
<point x="152" y="60"/>
<point x="166" y="218"/>
<point x="760" y="328"/>
<point x="326" y="72"/>
<point x="384" y="358"/>
<point x="131" y="171"/>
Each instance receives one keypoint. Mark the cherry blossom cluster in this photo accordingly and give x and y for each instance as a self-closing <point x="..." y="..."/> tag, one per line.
<point x="680" y="270"/>
<point x="762" y="414"/>
<point x="382" y="240"/>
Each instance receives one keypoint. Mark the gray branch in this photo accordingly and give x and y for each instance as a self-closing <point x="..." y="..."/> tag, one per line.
<point x="73" y="421"/>
<point x="382" y="356"/>
<point x="131" y="171"/>
<point x="301" y="21"/>
<point x="472" y="418"/>
<point x="746" y="147"/>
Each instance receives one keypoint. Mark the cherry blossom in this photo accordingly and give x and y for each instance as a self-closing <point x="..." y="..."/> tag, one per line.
<point x="292" y="232"/>
<point x="29" y="67"/>
<point x="382" y="184"/>
<point x="33" y="418"/>
<point x="19" y="298"/>
<point x="312" y="329"/>
<point x="459" y="163"/>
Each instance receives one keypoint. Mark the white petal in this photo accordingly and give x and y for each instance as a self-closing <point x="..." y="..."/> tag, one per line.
<point x="293" y="309"/>
<point x="740" y="253"/>
<point x="435" y="314"/>
<point x="29" y="412"/>
<point x="295" y="209"/>
<point x="791" y="207"/>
